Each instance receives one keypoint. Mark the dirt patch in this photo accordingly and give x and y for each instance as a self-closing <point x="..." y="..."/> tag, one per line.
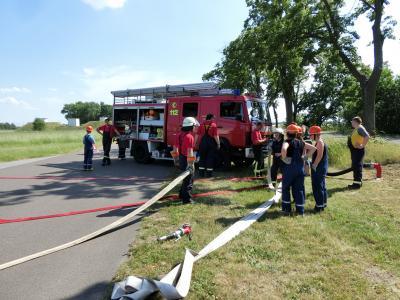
<point x="382" y="277"/>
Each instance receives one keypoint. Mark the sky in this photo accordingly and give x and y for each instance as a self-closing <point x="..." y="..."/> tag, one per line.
<point x="55" y="52"/>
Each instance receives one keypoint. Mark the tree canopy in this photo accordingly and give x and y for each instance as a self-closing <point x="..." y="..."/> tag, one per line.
<point x="86" y="111"/>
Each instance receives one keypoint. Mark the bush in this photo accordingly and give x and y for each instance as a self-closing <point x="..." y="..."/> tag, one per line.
<point x="38" y="124"/>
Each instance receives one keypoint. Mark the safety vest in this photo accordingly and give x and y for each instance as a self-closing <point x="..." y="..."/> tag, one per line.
<point x="356" y="138"/>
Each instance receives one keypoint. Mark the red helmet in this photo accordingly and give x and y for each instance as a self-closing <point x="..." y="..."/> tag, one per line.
<point x="89" y="128"/>
<point x="292" y="129"/>
<point x="315" y="130"/>
<point x="299" y="129"/>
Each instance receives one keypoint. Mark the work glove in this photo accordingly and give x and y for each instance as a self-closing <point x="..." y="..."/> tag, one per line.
<point x="190" y="164"/>
<point x="287" y="160"/>
<point x="175" y="156"/>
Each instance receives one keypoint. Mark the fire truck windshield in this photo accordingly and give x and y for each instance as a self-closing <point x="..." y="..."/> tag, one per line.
<point x="258" y="111"/>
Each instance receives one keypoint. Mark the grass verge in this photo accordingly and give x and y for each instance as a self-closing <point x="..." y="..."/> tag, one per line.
<point x="350" y="251"/>
<point x="22" y="144"/>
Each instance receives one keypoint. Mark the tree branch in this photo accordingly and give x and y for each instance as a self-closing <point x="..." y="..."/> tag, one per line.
<point x="367" y="4"/>
<point x="334" y="37"/>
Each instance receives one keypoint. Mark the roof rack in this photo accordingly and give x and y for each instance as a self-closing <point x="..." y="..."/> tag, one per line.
<point x="155" y="94"/>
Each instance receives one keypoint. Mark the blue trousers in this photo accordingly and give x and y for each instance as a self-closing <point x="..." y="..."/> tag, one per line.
<point x="319" y="185"/>
<point x="185" y="192"/>
<point x="293" y="179"/>
<point x="88" y="159"/>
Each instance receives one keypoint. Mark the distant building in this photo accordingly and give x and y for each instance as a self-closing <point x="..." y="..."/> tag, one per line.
<point x="74" y="122"/>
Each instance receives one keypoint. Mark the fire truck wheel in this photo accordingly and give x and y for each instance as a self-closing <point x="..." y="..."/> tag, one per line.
<point x="141" y="153"/>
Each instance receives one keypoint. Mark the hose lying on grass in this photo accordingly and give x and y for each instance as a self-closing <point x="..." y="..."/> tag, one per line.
<point x="376" y="166"/>
<point x="176" y="284"/>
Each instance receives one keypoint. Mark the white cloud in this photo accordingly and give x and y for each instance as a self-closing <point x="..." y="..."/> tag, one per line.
<point x="99" y="82"/>
<point x="102" y="4"/>
<point x="15" y="102"/>
<point x="52" y="89"/>
<point x="14" y="89"/>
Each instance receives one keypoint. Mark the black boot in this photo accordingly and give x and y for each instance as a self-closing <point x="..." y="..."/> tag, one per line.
<point x="209" y="174"/>
<point x="201" y="172"/>
<point x="354" y="186"/>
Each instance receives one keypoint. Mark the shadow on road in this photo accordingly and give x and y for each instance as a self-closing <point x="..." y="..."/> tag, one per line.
<point x="93" y="292"/>
<point x="143" y="178"/>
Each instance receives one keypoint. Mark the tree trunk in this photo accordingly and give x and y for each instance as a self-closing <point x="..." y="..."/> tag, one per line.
<point x="288" y="95"/>
<point x="368" y="97"/>
<point x="275" y="116"/>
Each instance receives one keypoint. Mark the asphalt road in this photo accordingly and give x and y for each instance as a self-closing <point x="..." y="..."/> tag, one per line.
<point x="84" y="271"/>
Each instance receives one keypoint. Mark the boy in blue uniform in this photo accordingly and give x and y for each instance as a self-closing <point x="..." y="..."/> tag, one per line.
<point x="319" y="169"/>
<point x="90" y="145"/>
<point x="293" y="170"/>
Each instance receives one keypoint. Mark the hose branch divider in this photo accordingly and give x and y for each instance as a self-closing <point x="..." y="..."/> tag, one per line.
<point x="103" y="230"/>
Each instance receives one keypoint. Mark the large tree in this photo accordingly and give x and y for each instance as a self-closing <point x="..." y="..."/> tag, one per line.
<point x="283" y="25"/>
<point x="86" y="111"/>
<point x="341" y="36"/>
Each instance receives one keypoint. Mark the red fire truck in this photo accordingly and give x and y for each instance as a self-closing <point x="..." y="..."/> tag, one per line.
<point x="153" y="117"/>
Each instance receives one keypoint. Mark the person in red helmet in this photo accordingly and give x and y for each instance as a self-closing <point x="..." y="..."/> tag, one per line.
<point x="90" y="145"/>
<point x="319" y="169"/>
<point x="293" y="170"/>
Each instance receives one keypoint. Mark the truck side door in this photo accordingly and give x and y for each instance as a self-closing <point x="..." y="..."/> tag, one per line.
<point x="230" y="122"/>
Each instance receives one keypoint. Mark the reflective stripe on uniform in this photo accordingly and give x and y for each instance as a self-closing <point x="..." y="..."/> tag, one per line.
<point x="286" y="202"/>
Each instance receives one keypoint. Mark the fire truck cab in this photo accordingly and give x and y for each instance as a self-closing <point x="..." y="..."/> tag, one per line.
<point x="153" y="118"/>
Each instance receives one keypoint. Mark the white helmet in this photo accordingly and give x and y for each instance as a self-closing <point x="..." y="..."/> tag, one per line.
<point x="190" y="121"/>
<point x="278" y="130"/>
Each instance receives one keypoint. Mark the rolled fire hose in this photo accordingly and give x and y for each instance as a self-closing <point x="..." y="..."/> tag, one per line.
<point x="176" y="284"/>
<point x="100" y="231"/>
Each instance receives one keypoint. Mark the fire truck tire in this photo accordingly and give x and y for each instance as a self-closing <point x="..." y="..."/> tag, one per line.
<point x="141" y="153"/>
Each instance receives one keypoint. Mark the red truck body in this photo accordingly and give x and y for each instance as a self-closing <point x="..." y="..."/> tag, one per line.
<point x="154" y="121"/>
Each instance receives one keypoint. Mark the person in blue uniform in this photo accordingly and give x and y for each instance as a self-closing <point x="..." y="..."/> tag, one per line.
<point x="90" y="146"/>
<point x="319" y="169"/>
<point x="293" y="170"/>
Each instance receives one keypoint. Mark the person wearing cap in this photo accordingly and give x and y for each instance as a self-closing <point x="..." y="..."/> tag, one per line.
<point x="276" y="148"/>
<point x="209" y="144"/>
<point x="357" y="142"/>
<point x="184" y="158"/>
<point x="293" y="170"/>
<point x="107" y="131"/>
<point x="319" y="169"/>
<point x="90" y="146"/>
<point x="258" y="141"/>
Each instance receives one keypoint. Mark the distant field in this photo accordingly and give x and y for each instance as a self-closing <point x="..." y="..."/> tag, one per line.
<point x="22" y="144"/>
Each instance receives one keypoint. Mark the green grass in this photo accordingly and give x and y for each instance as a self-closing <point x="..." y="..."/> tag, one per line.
<point x="350" y="251"/>
<point x="377" y="150"/>
<point x="24" y="143"/>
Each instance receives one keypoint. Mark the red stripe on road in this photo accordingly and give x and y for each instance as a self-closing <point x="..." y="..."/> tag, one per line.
<point x="108" y="208"/>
